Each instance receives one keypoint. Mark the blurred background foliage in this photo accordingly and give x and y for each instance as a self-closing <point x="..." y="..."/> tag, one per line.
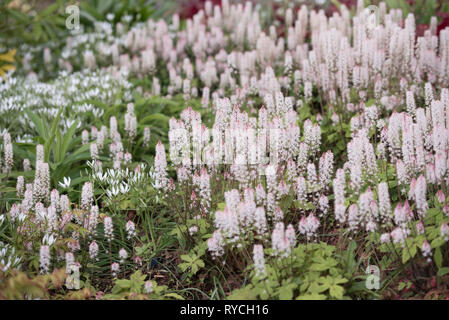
<point x="37" y="22"/>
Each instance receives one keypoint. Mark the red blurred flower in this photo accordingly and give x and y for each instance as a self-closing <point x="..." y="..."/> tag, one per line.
<point x="189" y="8"/>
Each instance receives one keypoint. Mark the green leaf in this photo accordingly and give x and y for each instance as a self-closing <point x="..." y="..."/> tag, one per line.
<point x="90" y="12"/>
<point x="336" y="291"/>
<point x="67" y="139"/>
<point x="437" y="242"/>
<point x="409" y="252"/>
<point x="312" y="296"/>
<point x="52" y="136"/>
<point x="123" y="284"/>
<point x="245" y="293"/>
<point x="186" y="257"/>
<point x="138" y="276"/>
<point x="18" y="16"/>
<point x="443" y="271"/>
<point x="433" y="212"/>
<point x="159" y="118"/>
<point x="315" y="287"/>
<point x="37" y="31"/>
<point x="438" y="257"/>
<point x="183" y="266"/>
<point x="50" y="9"/>
<point x="286" y="291"/>
<point x="174" y="295"/>
<point x="322" y="264"/>
<point x="38" y="124"/>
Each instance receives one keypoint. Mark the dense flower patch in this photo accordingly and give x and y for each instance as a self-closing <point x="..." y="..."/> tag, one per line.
<point x="229" y="156"/>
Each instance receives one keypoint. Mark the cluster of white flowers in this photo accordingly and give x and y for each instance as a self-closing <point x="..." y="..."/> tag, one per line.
<point x="67" y="91"/>
<point x="259" y="260"/>
<point x="45" y="258"/>
<point x="108" y="229"/>
<point x="8" y="257"/>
